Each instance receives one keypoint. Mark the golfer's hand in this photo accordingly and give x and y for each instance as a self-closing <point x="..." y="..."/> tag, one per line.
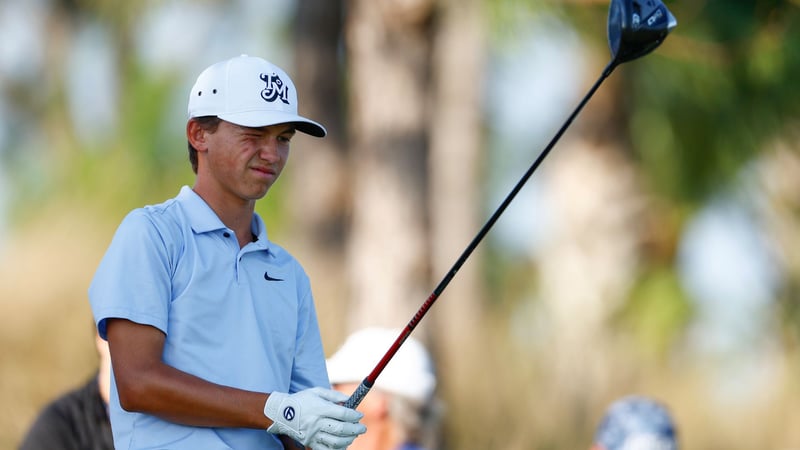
<point x="314" y="418"/>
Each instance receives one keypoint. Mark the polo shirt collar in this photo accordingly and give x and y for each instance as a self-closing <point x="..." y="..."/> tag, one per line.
<point x="203" y="219"/>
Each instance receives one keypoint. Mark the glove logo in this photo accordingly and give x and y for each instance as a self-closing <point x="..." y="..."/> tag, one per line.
<point x="288" y="413"/>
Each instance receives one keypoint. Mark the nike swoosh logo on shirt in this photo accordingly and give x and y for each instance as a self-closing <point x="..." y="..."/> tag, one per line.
<point x="269" y="278"/>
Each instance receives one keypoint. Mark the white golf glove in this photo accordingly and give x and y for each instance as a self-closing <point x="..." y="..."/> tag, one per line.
<point x="314" y="418"/>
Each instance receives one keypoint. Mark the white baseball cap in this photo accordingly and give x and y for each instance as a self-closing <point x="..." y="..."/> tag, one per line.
<point x="250" y="92"/>
<point x="409" y="373"/>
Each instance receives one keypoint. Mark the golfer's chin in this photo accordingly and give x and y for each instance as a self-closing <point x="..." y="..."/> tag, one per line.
<point x="258" y="187"/>
<point x="259" y="194"/>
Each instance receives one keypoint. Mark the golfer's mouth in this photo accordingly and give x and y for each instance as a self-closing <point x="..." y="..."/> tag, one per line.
<point x="264" y="171"/>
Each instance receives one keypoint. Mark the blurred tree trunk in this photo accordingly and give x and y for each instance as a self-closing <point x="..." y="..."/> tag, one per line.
<point x="388" y="47"/>
<point x="318" y="179"/>
<point x="456" y="143"/>
<point x="589" y="263"/>
<point x="460" y="336"/>
<point x="415" y="96"/>
<point x="776" y="173"/>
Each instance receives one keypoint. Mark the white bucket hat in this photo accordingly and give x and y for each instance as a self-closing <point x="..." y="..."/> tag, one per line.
<point x="409" y="373"/>
<point x="250" y="92"/>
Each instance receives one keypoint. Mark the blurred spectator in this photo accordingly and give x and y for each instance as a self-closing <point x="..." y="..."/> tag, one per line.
<point x="400" y="411"/>
<point x="79" y="418"/>
<point x="636" y="423"/>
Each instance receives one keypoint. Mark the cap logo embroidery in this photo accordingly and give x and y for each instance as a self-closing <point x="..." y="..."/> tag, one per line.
<point x="275" y="89"/>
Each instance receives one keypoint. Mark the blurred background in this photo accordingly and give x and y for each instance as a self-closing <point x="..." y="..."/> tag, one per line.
<point x="656" y="251"/>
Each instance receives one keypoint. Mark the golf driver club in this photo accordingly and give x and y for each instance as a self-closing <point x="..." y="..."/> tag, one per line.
<point x="635" y="28"/>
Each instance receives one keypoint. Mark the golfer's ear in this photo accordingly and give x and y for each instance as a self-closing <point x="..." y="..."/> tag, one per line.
<point x="196" y="135"/>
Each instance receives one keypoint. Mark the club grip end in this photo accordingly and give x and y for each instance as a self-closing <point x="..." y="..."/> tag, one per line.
<point x="358" y="395"/>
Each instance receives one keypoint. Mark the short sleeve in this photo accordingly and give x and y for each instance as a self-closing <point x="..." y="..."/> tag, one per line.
<point x="132" y="280"/>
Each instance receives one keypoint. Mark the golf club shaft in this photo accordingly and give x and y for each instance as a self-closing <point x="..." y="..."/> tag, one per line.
<point x="362" y="390"/>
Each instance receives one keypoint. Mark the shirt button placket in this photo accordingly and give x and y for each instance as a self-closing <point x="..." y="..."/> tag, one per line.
<point x="228" y="235"/>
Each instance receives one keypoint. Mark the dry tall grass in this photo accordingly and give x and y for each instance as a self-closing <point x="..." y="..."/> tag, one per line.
<point x="46" y="329"/>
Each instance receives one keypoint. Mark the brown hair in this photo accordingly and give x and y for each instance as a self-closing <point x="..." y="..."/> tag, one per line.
<point x="207" y="123"/>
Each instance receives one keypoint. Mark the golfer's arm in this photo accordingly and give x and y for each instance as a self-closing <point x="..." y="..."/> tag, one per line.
<point x="147" y="385"/>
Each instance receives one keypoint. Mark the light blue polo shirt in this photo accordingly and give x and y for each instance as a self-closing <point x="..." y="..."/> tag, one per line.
<point x="238" y="317"/>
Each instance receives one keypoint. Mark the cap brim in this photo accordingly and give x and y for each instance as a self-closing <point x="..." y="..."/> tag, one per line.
<point x="267" y="118"/>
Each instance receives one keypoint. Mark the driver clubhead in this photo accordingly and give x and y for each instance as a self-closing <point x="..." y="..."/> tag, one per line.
<point x="637" y="27"/>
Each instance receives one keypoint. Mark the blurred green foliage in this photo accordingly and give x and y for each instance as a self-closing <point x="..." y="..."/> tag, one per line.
<point x="720" y="90"/>
<point x="656" y="313"/>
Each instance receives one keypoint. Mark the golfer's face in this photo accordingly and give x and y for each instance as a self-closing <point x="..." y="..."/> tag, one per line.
<point x="246" y="161"/>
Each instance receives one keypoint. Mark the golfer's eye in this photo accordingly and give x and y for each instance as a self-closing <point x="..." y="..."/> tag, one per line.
<point x="251" y="135"/>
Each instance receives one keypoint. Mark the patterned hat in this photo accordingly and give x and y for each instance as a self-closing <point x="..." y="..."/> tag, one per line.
<point x="637" y="423"/>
